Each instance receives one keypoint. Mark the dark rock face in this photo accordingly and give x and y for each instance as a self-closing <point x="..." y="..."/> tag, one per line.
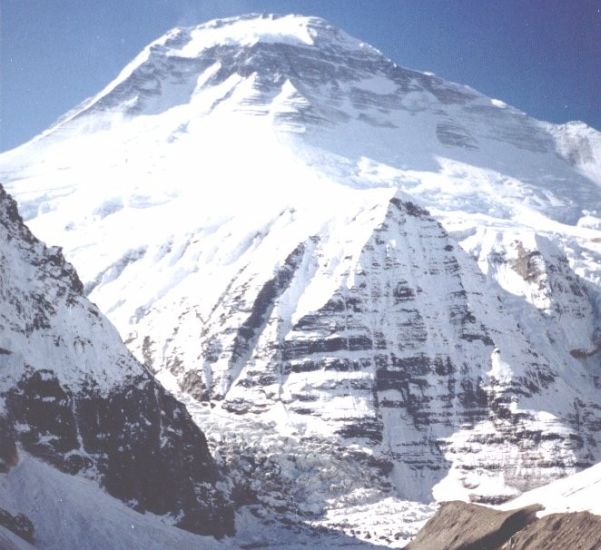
<point x="19" y="524"/>
<point x="84" y="404"/>
<point x="138" y="440"/>
<point x="462" y="526"/>
<point x="8" y="449"/>
<point x="247" y="334"/>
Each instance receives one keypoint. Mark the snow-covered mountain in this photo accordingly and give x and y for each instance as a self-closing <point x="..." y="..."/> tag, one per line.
<point x="369" y="285"/>
<point x="72" y="396"/>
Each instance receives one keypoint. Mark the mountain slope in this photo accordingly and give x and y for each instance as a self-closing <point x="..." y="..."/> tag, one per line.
<point x="73" y="396"/>
<point x="388" y="282"/>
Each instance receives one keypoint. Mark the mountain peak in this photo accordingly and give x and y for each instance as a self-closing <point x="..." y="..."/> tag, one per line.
<point x="267" y="28"/>
<point x="186" y="60"/>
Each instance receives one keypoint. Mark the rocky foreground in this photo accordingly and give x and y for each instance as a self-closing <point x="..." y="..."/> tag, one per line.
<point x="463" y="526"/>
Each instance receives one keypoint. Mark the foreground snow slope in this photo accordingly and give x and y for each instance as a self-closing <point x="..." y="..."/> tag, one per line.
<point x="70" y="512"/>
<point x="242" y="202"/>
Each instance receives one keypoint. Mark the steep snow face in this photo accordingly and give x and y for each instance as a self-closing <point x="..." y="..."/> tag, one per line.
<point x="72" y="395"/>
<point x="242" y="202"/>
<point x="43" y="315"/>
<point x="580" y="145"/>
<point x="405" y="340"/>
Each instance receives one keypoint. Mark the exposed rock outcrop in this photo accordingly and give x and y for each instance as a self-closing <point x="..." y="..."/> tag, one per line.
<point x="462" y="526"/>
<point x="580" y="530"/>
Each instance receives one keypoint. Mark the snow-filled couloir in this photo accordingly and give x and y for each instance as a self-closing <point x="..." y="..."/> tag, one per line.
<point x="388" y="281"/>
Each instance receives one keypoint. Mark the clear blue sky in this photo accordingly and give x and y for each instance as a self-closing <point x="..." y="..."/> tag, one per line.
<point x="542" y="56"/>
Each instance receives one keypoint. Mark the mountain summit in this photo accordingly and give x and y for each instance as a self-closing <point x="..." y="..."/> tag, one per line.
<point x="251" y="58"/>
<point x="369" y="285"/>
<point x="230" y="78"/>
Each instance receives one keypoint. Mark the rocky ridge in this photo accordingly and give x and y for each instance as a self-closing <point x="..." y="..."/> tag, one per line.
<point x="462" y="526"/>
<point x="73" y="396"/>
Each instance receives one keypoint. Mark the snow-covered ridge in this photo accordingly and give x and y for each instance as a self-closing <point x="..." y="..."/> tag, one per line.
<point x="72" y="394"/>
<point x="189" y="61"/>
<point x="576" y="493"/>
<point x="409" y="129"/>
<point x="43" y="302"/>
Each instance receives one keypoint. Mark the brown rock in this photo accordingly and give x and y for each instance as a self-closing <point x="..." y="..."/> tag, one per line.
<point x="577" y="530"/>
<point x="462" y="526"/>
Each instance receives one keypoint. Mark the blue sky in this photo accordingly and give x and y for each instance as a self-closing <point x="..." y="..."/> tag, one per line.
<point x="542" y="56"/>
